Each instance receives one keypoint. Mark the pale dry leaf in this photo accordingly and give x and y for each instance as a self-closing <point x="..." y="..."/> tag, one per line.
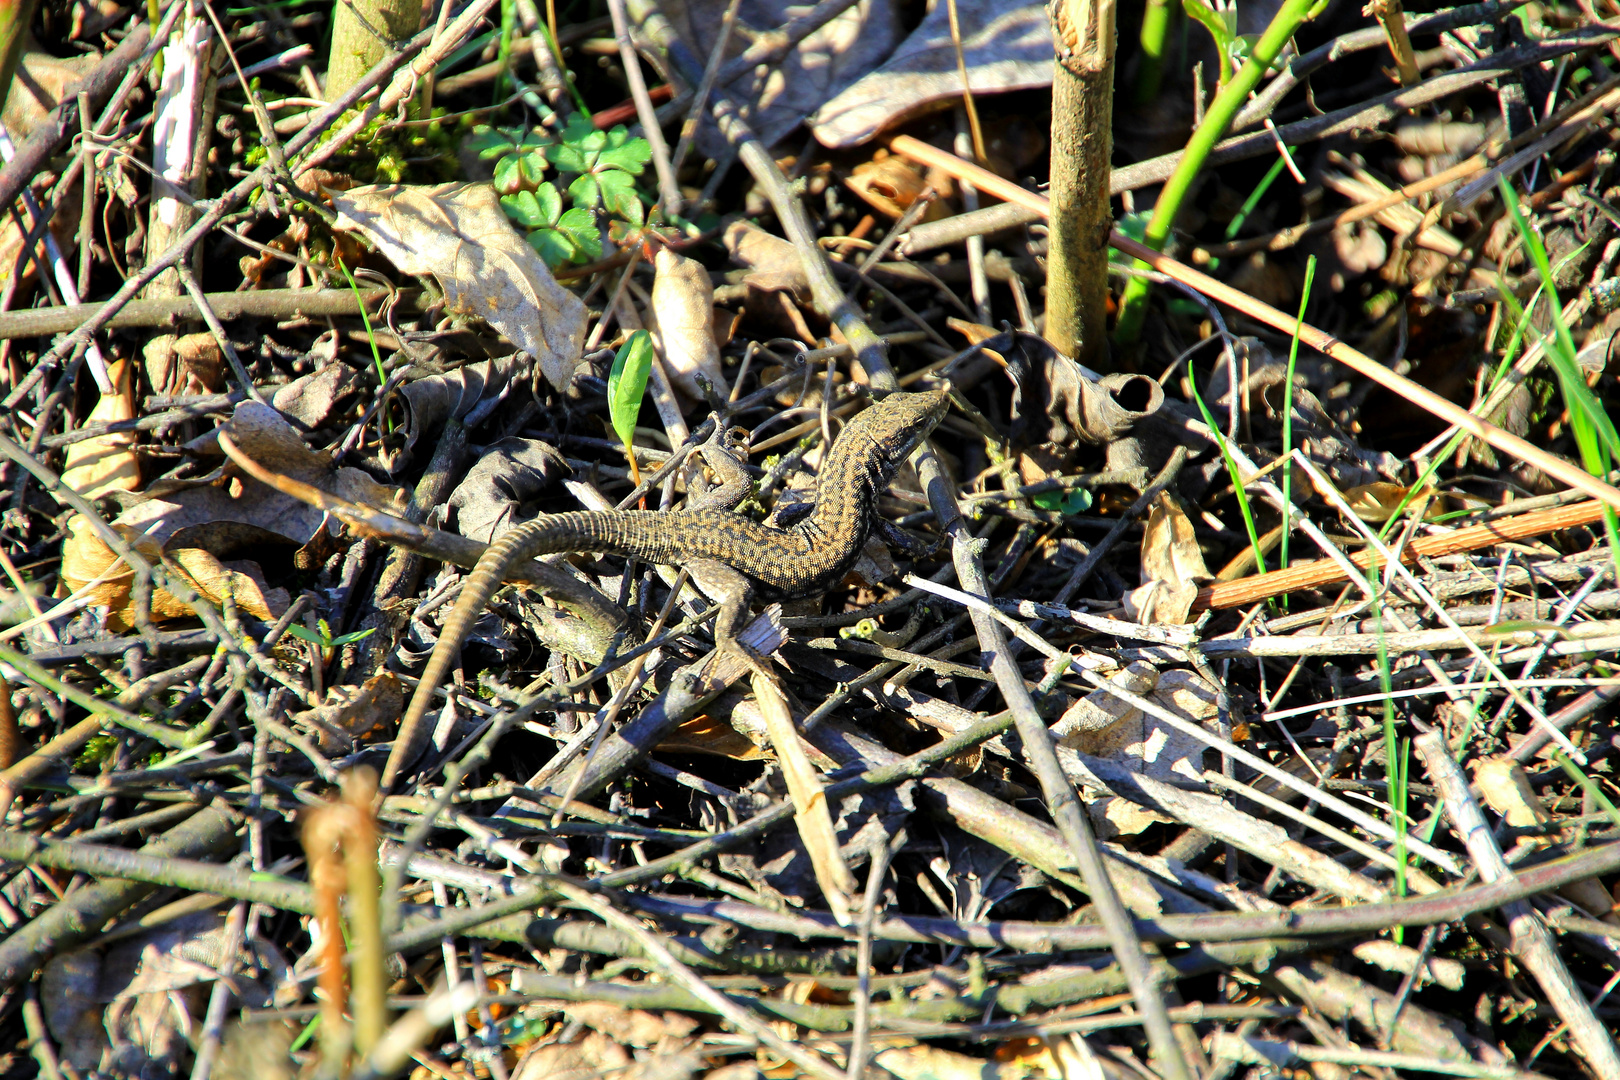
<point x="1379" y="501"/>
<point x="1100" y="725"/>
<point x="199" y="364"/>
<point x="593" y="1056"/>
<point x="1057" y="1061"/>
<point x="1360" y="246"/>
<point x="460" y="235"/>
<point x="777" y="97"/>
<point x="1172" y="567"/>
<point x="1003" y="49"/>
<point x="1086" y="725"/>
<point x="107" y="462"/>
<point x="1161" y="603"/>
<point x="41" y="80"/>
<point x="810" y="810"/>
<point x="773" y="263"/>
<point x="1506" y="789"/>
<point x="1170" y="549"/>
<point x="1114" y="817"/>
<point x="630" y="1027"/>
<point x="683" y="323"/>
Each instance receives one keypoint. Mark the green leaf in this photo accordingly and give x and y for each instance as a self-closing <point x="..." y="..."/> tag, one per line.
<point x="556" y="247"/>
<point x="303" y="633"/>
<point x="1132" y="227"/>
<point x="584" y="191"/>
<point x="580" y="225"/>
<point x="619" y="196"/>
<point x="632" y="157"/>
<point x="1211" y="20"/>
<point x="578" y="129"/>
<point x="533" y="167"/>
<point x="508" y="178"/>
<point x="627" y="383"/>
<point x="1077" y="501"/>
<point x="525" y="209"/>
<point x="358" y="635"/>
<point x="566" y="158"/>
<point x="488" y="142"/>
<point x="550" y="202"/>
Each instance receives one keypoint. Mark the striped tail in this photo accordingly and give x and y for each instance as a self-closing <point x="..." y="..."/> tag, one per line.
<point x="524" y="542"/>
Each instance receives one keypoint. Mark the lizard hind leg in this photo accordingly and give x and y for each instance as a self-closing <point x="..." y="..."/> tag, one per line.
<point x="732" y="590"/>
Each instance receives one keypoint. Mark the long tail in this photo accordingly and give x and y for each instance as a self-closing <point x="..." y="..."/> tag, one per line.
<point x="512" y="548"/>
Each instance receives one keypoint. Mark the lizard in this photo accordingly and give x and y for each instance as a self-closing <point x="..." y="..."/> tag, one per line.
<point x="731" y="557"/>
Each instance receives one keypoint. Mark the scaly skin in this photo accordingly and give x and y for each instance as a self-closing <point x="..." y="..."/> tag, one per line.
<point x="808" y="558"/>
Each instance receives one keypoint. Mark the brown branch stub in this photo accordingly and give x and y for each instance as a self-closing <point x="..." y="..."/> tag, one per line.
<point x="1311" y="575"/>
<point x="340" y="842"/>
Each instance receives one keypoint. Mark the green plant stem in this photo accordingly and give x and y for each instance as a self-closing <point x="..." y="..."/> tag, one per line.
<point x="1593" y="429"/>
<point x="15" y="15"/>
<point x="1288" y="411"/>
<point x="1150" y="69"/>
<point x="1289" y="18"/>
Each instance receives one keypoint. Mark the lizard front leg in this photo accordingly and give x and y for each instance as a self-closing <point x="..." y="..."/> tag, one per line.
<point x="724" y="452"/>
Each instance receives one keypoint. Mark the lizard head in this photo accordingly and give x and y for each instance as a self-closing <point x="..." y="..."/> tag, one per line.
<point x="896" y="426"/>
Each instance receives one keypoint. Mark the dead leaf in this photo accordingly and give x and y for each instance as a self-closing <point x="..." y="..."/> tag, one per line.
<point x="974" y="332"/>
<point x="777" y="97"/>
<point x="1086" y="725"/>
<point x="106" y="463"/>
<point x="1360" y="246"/>
<point x="891" y="184"/>
<point x="40" y="82"/>
<point x="1056" y="1059"/>
<point x="312" y="399"/>
<point x="810" y="810"/>
<point x="1170" y="546"/>
<point x="85" y="559"/>
<point x="431" y="401"/>
<point x="630" y="1027"/>
<point x="1003" y="50"/>
<point x="1379" y="501"/>
<point x="1172" y="567"/>
<point x="507" y="476"/>
<point x="773" y="263"/>
<point x="145" y="991"/>
<point x="1506" y="789"/>
<point x="227" y="511"/>
<point x="584" y="1059"/>
<point x="1102" y="726"/>
<point x="200" y="365"/>
<point x="460" y="235"/>
<point x="682" y="323"/>
<point x="351" y="711"/>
